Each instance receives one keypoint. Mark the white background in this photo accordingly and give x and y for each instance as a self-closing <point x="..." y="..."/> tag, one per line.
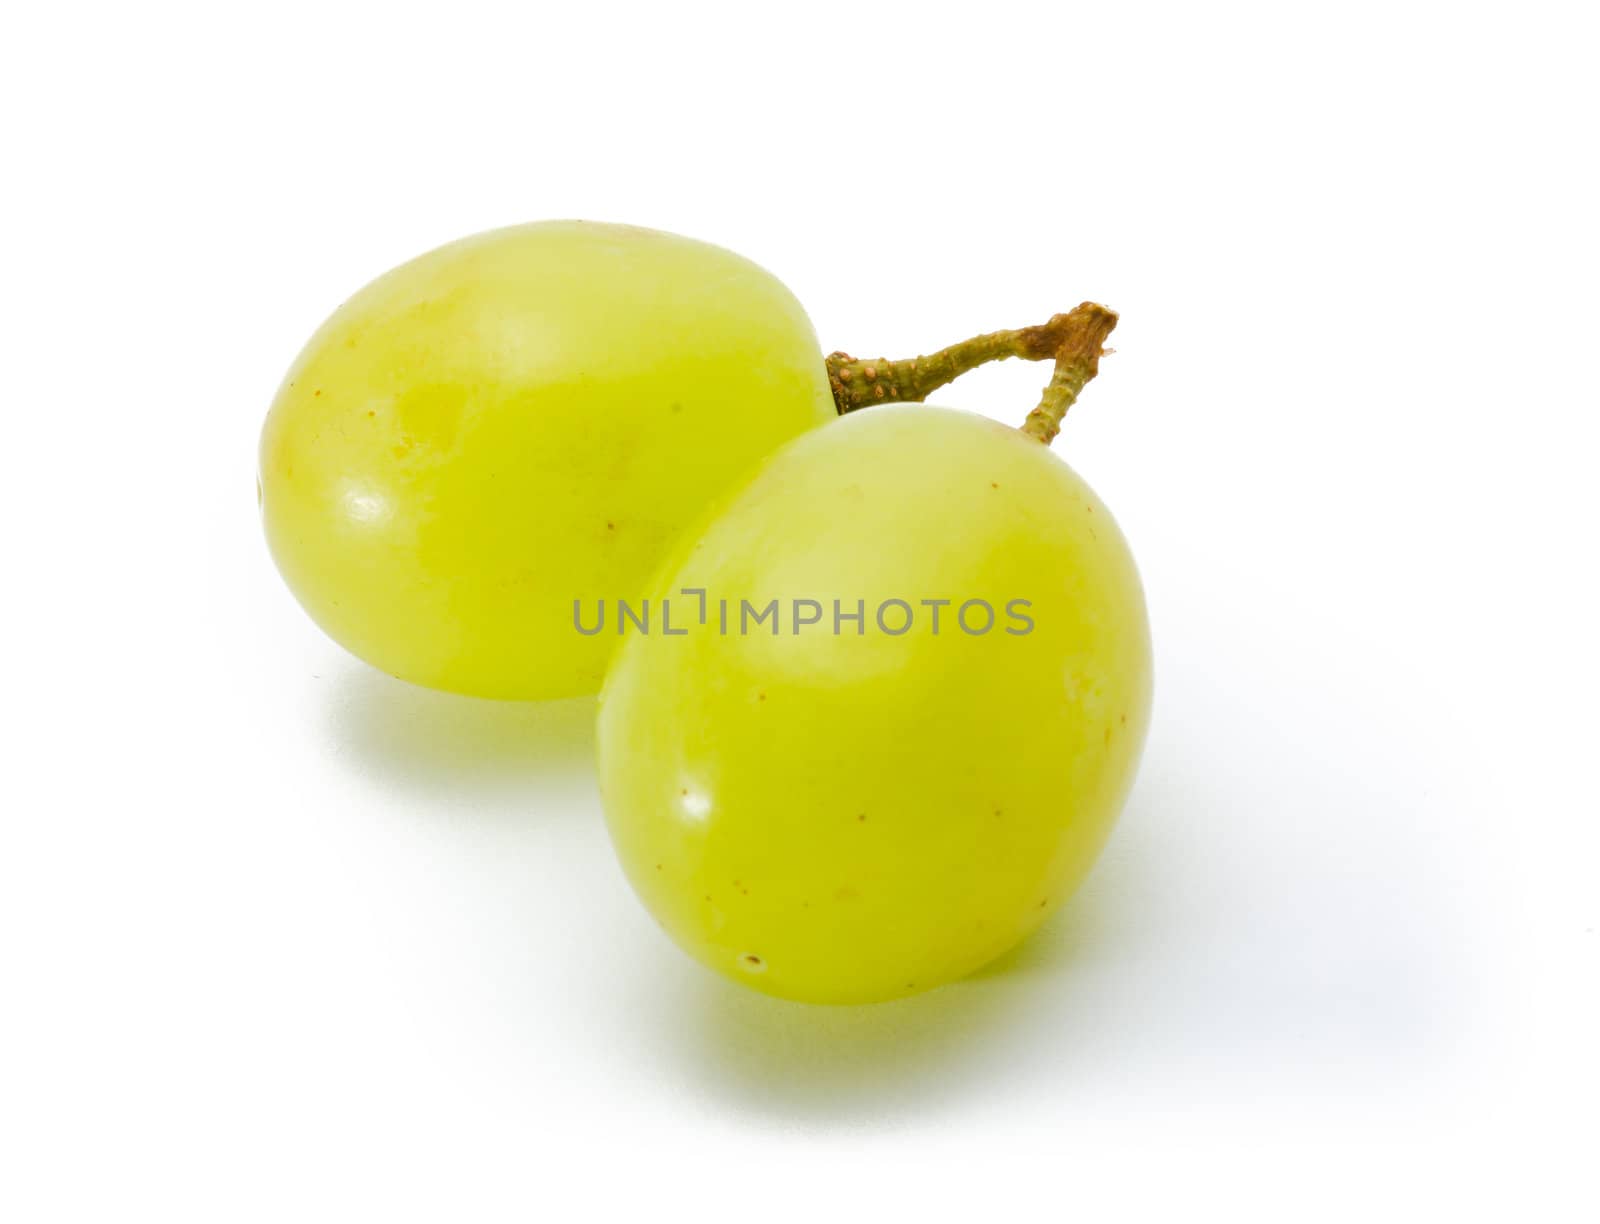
<point x="283" y="938"/>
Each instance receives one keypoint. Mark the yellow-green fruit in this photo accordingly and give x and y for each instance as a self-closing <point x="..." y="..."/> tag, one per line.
<point x="840" y="813"/>
<point x="517" y="421"/>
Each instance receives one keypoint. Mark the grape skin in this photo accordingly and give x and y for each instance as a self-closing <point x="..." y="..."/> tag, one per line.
<point x="515" y="421"/>
<point x="859" y="817"/>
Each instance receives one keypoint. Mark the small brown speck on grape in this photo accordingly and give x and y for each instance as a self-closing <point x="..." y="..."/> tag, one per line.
<point x="846" y="375"/>
<point x="878" y="392"/>
<point x="872" y="373"/>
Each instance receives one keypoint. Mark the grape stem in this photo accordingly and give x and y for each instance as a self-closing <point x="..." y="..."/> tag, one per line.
<point x="1075" y="340"/>
<point x="862" y="383"/>
<point x="1081" y="343"/>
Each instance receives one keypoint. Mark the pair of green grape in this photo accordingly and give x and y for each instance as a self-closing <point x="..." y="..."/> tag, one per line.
<point x="530" y="422"/>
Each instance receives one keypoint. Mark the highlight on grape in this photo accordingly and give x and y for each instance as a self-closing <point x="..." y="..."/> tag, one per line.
<point x="894" y="617"/>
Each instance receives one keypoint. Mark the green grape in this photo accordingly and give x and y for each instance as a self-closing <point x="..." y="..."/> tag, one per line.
<point x="517" y="421"/>
<point x="842" y="812"/>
